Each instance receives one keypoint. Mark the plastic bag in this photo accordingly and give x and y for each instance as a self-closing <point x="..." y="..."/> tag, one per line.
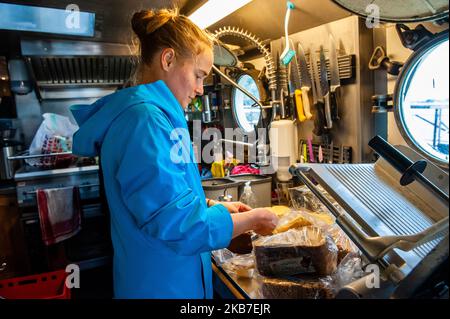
<point x="349" y="270"/>
<point x="222" y="255"/>
<point x="54" y="135"/>
<point x="296" y="287"/>
<point x="291" y="220"/>
<point x="312" y="286"/>
<point x="242" y="266"/>
<point x="302" y="198"/>
<point x="301" y="218"/>
<point x="343" y="243"/>
<point x="296" y="251"/>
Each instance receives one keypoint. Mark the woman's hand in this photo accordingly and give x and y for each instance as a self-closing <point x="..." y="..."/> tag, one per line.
<point x="235" y="207"/>
<point x="261" y="220"/>
<point x="264" y="221"/>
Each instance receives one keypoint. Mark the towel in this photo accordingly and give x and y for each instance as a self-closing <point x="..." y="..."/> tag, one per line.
<point x="59" y="213"/>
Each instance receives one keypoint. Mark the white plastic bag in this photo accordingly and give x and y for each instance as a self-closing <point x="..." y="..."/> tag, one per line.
<point x="54" y="135"/>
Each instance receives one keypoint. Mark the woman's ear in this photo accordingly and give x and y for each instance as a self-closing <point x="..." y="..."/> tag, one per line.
<point x="167" y="58"/>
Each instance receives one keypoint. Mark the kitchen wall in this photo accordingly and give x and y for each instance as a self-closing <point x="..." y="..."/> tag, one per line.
<point x="356" y="126"/>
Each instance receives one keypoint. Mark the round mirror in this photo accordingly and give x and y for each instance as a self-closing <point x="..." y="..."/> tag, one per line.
<point x="421" y="100"/>
<point x="245" y="111"/>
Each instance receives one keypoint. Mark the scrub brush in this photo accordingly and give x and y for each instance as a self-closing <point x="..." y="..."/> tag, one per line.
<point x="288" y="53"/>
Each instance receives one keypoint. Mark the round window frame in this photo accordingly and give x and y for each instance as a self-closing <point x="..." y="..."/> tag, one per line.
<point x="404" y="80"/>
<point x="233" y="106"/>
<point x="432" y="17"/>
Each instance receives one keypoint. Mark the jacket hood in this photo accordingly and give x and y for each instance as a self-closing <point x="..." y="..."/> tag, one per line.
<point x="95" y="119"/>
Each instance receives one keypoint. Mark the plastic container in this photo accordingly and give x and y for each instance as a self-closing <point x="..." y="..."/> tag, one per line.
<point x="261" y="187"/>
<point x="49" y="285"/>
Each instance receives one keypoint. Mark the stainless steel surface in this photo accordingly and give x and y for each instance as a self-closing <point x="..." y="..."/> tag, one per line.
<point x="92" y="70"/>
<point x="316" y="73"/>
<point x="304" y="71"/>
<point x="334" y="66"/>
<point x="371" y="196"/>
<point x="315" y="94"/>
<point x="80" y="186"/>
<point x="31" y="173"/>
<point x="219" y="188"/>
<point x="325" y="89"/>
<point x="28" y="182"/>
<point x="50" y="47"/>
<point x="7" y="167"/>
<point x="75" y="69"/>
<point x="428" y="267"/>
<point x="296" y="82"/>
<point x="360" y="290"/>
<point x="20" y="157"/>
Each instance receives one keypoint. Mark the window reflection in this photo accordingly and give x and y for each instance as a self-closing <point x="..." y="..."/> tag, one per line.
<point x="424" y="107"/>
<point x="246" y="112"/>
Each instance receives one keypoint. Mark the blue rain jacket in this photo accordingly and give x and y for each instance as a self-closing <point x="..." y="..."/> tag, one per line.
<point x="161" y="228"/>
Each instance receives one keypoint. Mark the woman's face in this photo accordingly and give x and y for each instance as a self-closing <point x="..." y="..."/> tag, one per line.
<point x="185" y="78"/>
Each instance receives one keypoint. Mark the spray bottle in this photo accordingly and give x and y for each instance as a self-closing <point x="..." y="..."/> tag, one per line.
<point x="248" y="197"/>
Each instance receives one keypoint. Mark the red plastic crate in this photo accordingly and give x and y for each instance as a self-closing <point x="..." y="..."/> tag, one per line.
<point x="49" y="285"/>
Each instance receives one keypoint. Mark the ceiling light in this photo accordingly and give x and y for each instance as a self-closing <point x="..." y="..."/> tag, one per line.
<point x="215" y="10"/>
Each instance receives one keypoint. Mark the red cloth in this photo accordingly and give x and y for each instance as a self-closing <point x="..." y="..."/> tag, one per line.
<point x="245" y="169"/>
<point x="59" y="213"/>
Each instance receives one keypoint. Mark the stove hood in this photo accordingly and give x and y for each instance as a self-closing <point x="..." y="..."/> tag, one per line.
<point x="64" y="69"/>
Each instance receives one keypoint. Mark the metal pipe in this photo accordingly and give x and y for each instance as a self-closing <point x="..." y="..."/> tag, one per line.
<point x="11" y="158"/>
<point x="237" y="86"/>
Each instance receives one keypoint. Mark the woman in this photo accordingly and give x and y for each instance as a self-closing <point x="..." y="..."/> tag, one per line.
<point x="161" y="226"/>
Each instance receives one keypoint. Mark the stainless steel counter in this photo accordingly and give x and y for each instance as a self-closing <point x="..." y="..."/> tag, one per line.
<point x="232" y="286"/>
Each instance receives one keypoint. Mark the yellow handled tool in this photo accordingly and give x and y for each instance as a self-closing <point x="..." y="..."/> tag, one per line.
<point x="299" y="104"/>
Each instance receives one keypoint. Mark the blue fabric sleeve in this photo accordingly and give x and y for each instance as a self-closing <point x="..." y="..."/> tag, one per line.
<point x="155" y="190"/>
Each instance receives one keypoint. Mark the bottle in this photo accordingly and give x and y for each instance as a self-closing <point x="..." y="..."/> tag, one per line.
<point x="248" y="197"/>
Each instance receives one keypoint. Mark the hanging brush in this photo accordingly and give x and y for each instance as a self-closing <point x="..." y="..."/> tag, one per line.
<point x="288" y="53"/>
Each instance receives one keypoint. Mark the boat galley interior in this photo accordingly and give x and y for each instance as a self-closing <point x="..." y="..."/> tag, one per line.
<point x="207" y="149"/>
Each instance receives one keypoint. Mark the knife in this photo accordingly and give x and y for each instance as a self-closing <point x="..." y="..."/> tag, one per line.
<point x="296" y="83"/>
<point x="319" y="121"/>
<point x="305" y="80"/>
<point x="325" y="88"/>
<point x="335" y="81"/>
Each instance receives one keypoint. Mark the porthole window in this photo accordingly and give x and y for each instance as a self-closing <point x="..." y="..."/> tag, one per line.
<point x="246" y="112"/>
<point x="421" y="95"/>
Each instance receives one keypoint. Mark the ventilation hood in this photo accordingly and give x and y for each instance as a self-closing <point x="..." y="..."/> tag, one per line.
<point x="76" y="69"/>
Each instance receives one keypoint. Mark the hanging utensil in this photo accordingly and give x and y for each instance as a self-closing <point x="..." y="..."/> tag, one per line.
<point x="319" y="116"/>
<point x="305" y="80"/>
<point x="325" y="88"/>
<point x="296" y="87"/>
<point x="335" y="81"/>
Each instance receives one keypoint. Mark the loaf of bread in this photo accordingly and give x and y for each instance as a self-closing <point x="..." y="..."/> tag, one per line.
<point x="296" y="251"/>
<point x="241" y="244"/>
<point x="305" y="287"/>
